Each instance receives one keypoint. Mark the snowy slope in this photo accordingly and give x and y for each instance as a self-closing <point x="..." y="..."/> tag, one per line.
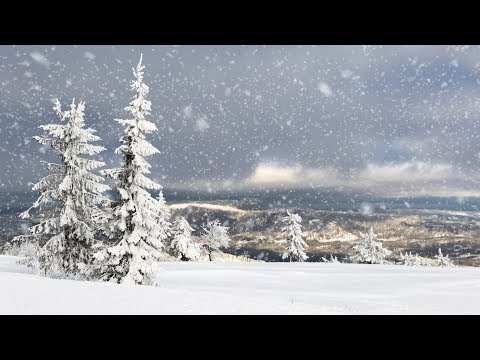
<point x="251" y="288"/>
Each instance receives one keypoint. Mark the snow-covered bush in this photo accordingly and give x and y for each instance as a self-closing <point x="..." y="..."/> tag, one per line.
<point x="333" y="259"/>
<point x="369" y="251"/>
<point x="29" y="252"/>
<point x="411" y="260"/>
<point x="214" y="237"/>
<point x="9" y="249"/>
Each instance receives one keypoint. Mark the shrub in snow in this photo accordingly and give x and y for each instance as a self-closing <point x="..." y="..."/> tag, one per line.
<point x="29" y="252"/>
<point x="71" y="197"/>
<point x="443" y="260"/>
<point x="215" y="237"/>
<point x="9" y="249"/>
<point x="294" y="249"/>
<point x="183" y="245"/>
<point x="140" y="225"/>
<point x="370" y="251"/>
<point x="411" y="260"/>
<point x="22" y="248"/>
<point x="333" y="259"/>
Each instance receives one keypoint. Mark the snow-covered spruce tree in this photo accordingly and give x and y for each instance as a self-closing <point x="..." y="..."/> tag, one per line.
<point x="183" y="244"/>
<point x="215" y="237"/>
<point x="443" y="260"/>
<point x="333" y="259"/>
<point x="163" y="219"/>
<point x="411" y="260"/>
<point x="295" y="246"/>
<point x="369" y="251"/>
<point x="133" y="259"/>
<point x="72" y="196"/>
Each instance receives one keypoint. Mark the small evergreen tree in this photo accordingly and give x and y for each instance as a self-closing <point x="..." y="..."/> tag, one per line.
<point x="71" y="196"/>
<point x="294" y="249"/>
<point x="443" y="260"/>
<point x="183" y="245"/>
<point x="369" y="251"/>
<point x="163" y="219"/>
<point x="215" y="237"/>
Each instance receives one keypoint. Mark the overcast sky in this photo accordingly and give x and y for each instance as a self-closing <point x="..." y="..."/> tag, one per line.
<point x="392" y="120"/>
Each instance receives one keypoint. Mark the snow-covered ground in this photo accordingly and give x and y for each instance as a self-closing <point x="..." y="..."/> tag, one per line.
<point x="251" y="288"/>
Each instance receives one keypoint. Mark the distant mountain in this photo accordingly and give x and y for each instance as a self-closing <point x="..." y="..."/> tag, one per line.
<point x="256" y="229"/>
<point x="257" y="233"/>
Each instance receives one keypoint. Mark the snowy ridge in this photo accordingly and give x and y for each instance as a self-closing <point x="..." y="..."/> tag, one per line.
<point x="226" y="208"/>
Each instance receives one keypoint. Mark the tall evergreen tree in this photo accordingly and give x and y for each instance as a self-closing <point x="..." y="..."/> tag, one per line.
<point x="295" y="246"/>
<point x="134" y="257"/>
<point x="71" y="196"/>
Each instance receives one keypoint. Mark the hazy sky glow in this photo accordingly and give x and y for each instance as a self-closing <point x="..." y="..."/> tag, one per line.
<point x="392" y="120"/>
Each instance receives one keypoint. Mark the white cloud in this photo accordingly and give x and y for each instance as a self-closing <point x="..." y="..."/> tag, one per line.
<point x="274" y="174"/>
<point x="445" y="191"/>
<point x="268" y="174"/>
<point x="397" y="179"/>
<point x="40" y="59"/>
<point x="406" y="172"/>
